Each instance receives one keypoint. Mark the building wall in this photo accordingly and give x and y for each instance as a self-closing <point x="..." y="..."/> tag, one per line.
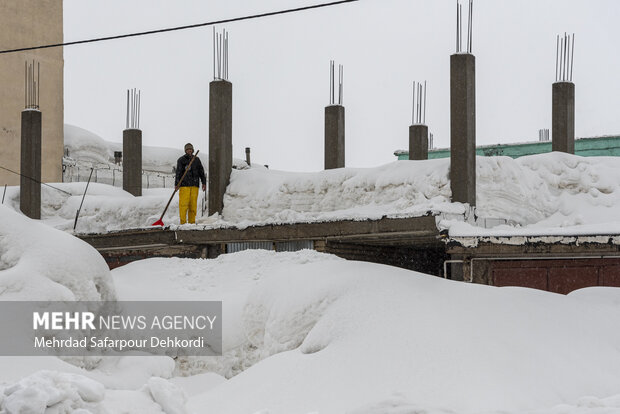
<point x="26" y="23"/>
<point x="585" y="147"/>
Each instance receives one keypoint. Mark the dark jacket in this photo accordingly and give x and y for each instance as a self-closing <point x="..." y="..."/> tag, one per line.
<point x="193" y="176"/>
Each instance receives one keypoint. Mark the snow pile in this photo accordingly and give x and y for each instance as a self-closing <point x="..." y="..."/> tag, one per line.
<point x="547" y="194"/>
<point x="53" y="392"/>
<point x="229" y="278"/>
<point x="547" y="190"/>
<point x="38" y="262"/>
<point x="105" y="207"/>
<point x="407" y="188"/>
<point x="87" y="147"/>
<point x="313" y="333"/>
<point x="61" y="392"/>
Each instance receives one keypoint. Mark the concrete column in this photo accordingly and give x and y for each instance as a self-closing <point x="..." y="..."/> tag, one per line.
<point x="418" y="142"/>
<point x="132" y="161"/>
<point x="30" y="165"/>
<point x="563" y="117"/>
<point x="334" y="136"/>
<point x="463" y="128"/>
<point x="220" y="142"/>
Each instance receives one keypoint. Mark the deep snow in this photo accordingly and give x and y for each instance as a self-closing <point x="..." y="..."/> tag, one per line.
<point x="308" y="332"/>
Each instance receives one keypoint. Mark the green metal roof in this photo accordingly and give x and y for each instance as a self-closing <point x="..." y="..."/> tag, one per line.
<point x="586" y="147"/>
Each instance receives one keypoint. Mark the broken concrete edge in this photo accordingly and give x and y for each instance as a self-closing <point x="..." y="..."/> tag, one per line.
<point x="532" y="240"/>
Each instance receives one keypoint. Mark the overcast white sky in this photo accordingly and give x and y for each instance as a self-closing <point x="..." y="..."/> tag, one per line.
<point x="279" y="70"/>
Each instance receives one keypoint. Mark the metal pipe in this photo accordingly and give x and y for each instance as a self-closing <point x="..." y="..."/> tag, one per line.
<point x="77" y="213"/>
<point x="471" y="25"/>
<point x="445" y="268"/>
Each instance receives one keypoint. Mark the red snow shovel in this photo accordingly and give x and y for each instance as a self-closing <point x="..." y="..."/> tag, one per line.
<point x="160" y="221"/>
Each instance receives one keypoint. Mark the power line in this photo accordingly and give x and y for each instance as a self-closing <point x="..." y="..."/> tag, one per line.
<point x="172" y="29"/>
<point x="36" y="181"/>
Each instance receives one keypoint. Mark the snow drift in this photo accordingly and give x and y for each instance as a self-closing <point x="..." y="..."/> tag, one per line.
<point x="541" y="191"/>
<point x="308" y="332"/>
<point x="38" y="262"/>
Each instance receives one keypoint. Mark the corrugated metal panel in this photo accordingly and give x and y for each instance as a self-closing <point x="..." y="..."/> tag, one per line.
<point x="293" y="246"/>
<point x="237" y="247"/>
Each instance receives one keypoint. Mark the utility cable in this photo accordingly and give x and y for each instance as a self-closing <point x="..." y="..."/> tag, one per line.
<point x="177" y="28"/>
<point x="36" y="181"/>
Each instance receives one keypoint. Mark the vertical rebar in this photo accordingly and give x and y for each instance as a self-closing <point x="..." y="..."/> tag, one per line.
<point x="214" y="53"/>
<point x="565" y="56"/>
<point x="471" y="25"/>
<point x="413" y="105"/>
<point x="424" y="119"/>
<point x="458" y="26"/>
<point x="557" y="57"/>
<point x="572" y="58"/>
<point x="127" y="115"/>
<point x="340" y="83"/>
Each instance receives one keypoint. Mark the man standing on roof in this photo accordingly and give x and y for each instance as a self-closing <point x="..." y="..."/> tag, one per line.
<point x="188" y="189"/>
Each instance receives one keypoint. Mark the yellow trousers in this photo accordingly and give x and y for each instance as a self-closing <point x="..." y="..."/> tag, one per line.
<point x="188" y="197"/>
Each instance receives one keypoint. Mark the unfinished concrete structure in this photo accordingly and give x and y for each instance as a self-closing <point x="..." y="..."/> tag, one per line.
<point x="334" y="122"/>
<point x="418" y="142"/>
<point x="418" y="131"/>
<point x="28" y="23"/>
<point x="132" y="145"/>
<point x="220" y="142"/>
<point x="563" y="117"/>
<point x="132" y="161"/>
<point x="30" y="164"/>
<point x="563" y="97"/>
<point x="463" y="116"/>
<point x="334" y="136"/>
<point x="463" y="128"/>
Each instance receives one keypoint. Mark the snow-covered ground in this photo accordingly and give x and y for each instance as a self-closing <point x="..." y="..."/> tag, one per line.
<point x="306" y="332"/>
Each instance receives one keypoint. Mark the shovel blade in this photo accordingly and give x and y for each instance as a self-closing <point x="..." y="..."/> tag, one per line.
<point x="158" y="223"/>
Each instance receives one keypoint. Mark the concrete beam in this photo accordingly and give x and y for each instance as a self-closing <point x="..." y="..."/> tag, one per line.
<point x="334" y="136"/>
<point x="563" y="117"/>
<point x="463" y="128"/>
<point x="387" y="231"/>
<point x="418" y="142"/>
<point x="132" y="161"/>
<point x="30" y="165"/>
<point x="220" y="142"/>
